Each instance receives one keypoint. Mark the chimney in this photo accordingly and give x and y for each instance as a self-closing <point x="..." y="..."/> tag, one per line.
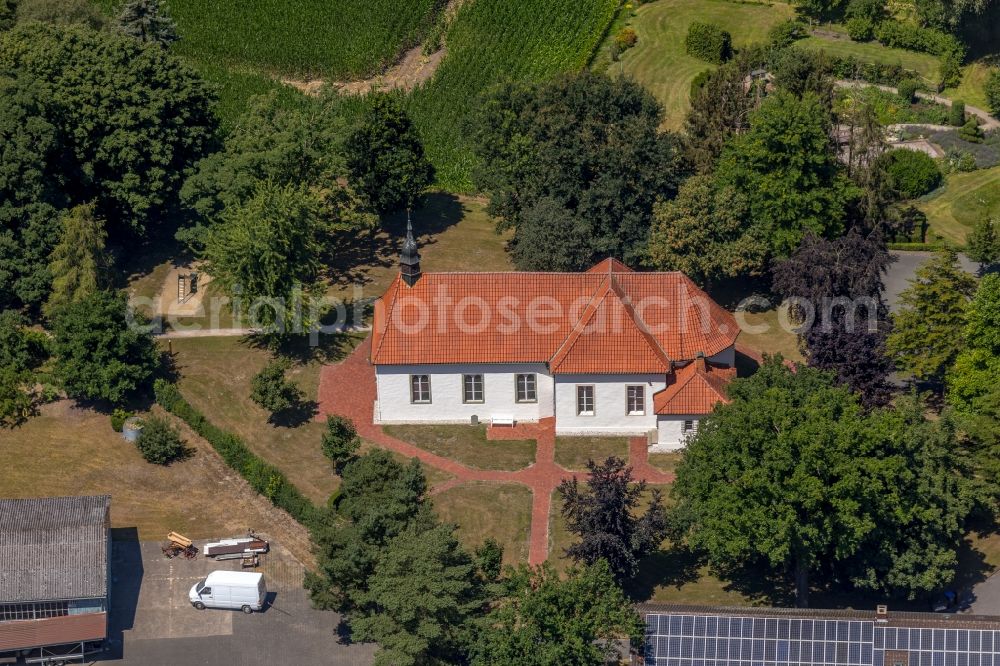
<point x="700" y="361"/>
<point x="881" y="613"/>
<point x="409" y="258"/>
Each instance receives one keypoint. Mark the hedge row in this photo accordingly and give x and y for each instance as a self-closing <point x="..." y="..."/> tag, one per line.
<point x="913" y="37"/>
<point x="263" y="477"/>
<point x="850" y="67"/>
<point x="709" y="42"/>
<point x="919" y="247"/>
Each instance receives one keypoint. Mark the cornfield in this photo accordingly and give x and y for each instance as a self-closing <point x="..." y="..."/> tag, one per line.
<point x="335" y="39"/>
<point x="489" y="42"/>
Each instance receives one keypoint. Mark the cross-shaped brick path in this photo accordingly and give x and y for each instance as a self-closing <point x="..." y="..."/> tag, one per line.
<point x="348" y="389"/>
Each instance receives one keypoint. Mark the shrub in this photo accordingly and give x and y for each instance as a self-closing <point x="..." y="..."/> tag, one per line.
<point x="956" y="116"/>
<point x="118" y="417"/>
<point x="912" y="173"/>
<point x="626" y="39"/>
<point x="908" y="90"/>
<point x="886" y="74"/>
<point x="272" y="391"/>
<point x="958" y="160"/>
<point x="870" y="10"/>
<point x="992" y="91"/>
<point x="785" y="33"/>
<point x="699" y="82"/>
<point x="708" y="42"/>
<point x="971" y="132"/>
<point x="340" y="441"/>
<point x="159" y="442"/>
<point x="950" y="70"/>
<point x="860" y="29"/>
<point x="913" y="37"/>
<point x="984" y="242"/>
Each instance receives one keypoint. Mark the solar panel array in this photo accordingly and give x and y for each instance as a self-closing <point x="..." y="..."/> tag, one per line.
<point x="718" y="640"/>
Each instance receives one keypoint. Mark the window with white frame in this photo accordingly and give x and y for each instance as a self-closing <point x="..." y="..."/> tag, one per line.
<point x="690" y="428"/>
<point x="635" y="398"/>
<point x="420" y="389"/>
<point x="526" y="391"/>
<point x="585" y="400"/>
<point x="472" y="388"/>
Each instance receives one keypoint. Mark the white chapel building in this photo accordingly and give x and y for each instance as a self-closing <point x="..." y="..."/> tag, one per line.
<point x="609" y="351"/>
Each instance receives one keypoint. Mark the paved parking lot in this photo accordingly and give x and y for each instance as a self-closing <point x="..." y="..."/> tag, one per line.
<point x="154" y="624"/>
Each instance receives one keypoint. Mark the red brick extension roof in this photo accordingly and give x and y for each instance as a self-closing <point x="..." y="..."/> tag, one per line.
<point x="608" y="320"/>
<point x="696" y="389"/>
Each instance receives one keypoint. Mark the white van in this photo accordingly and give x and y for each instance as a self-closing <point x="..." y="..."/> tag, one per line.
<point x="230" y="589"/>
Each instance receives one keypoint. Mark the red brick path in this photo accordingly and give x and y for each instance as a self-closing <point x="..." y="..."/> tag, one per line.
<point x="348" y="389"/>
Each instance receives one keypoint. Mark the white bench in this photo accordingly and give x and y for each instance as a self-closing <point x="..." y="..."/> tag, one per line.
<point x="502" y="420"/>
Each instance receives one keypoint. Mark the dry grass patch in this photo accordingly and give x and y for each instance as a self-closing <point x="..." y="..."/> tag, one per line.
<point x="468" y="445"/>
<point x="574" y="452"/>
<point x="488" y="510"/>
<point x="666" y="462"/>
<point x="67" y="450"/>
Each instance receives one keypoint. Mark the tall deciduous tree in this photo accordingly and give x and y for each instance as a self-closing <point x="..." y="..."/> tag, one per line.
<point x="927" y="333"/>
<point x="420" y="598"/>
<point x="786" y="166"/>
<point x="544" y="619"/>
<point x="148" y="117"/>
<point x="378" y="499"/>
<point x="703" y="233"/>
<point x="385" y="158"/>
<point x="267" y="251"/>
<point x="721" y="108"/>
<point x="30" y="192"/>
<point x="78" y="264"/>
<point x="794" y="479"/>
<point x="603" y="517"/>
<point x="148" y="21"/>
<point x="984" y="242"/>
<point x="573" y="166"/>
<point x="836" y="287"/>
<point x="101" y="352"/>
<point x="977" y="365"/>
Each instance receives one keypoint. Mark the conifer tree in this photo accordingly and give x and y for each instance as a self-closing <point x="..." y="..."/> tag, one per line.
<point x="148" y="21"/>
<point x="78" y="264"/>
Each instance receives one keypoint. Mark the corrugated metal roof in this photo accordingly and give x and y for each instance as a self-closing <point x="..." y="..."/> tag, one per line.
<point x="53" y="631"/>
<point x="53" y="548"/>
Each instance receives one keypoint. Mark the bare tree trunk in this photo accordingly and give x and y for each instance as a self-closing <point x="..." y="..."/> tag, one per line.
<point x="801" y="582"/>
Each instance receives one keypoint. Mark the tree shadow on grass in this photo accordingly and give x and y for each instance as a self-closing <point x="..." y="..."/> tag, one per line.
<point x="327" y="348"/>
<point x="675" y="567"/>
<point x="350" y="259"/>
<point x="298" y="414"/>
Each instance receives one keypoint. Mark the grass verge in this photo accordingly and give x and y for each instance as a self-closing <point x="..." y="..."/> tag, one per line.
<point x="659" y="61"/>
<point x="468" y="445"/>
<point x="485" y="510"/>
<point x="574" y="452"/>
<point x="965" y="199"/>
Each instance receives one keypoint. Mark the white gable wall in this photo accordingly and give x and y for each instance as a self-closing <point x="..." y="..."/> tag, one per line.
<point x="446" y="406"/>
<point x="611" y="415"/>
<point x="670" y="432"/>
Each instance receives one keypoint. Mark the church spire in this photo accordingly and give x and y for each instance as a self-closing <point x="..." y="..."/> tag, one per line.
<point x="409" y="258"/>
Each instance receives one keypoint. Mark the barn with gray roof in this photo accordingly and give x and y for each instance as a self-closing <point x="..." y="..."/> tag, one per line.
<point x="54" y="557"/>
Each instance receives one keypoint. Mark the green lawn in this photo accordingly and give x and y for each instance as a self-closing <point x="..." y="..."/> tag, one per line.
<point x="485" y="510"/>
<point x="924" y="63"/>
<point x="965" y="199"/>
<point x="973" y="74"/>
<point x="665" y="462"/>
<point x="574" y="452"/>
<point x="468" y="445"/>
<point x="659" y="62"/>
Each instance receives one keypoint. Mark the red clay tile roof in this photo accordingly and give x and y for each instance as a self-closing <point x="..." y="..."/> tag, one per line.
<point x="696" y="389"/>
<point x="607" y="320"/>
